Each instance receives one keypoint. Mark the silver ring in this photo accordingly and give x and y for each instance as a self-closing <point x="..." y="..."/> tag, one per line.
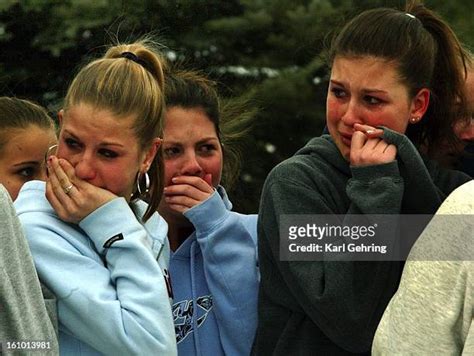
<point x="67" y="190"/>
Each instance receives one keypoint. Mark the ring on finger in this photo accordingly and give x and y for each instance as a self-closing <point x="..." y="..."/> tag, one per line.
<point x="67" y="190"/>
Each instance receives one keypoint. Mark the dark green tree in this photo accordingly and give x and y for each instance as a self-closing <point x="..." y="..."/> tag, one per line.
<point x="267" y="50"/>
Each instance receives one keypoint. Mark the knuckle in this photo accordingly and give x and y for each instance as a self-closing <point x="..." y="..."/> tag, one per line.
<point x="354" y="157"/>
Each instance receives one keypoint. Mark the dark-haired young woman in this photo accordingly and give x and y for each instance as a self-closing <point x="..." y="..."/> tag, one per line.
<point x="395" y="78"/>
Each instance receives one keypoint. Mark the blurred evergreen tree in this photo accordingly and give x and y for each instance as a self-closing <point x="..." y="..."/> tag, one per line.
<point x="269" y="50"/>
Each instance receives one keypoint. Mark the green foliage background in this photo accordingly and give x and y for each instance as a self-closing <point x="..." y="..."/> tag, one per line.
<point x="269" y="50"/>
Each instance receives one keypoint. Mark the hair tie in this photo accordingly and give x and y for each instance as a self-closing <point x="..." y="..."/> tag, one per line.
<point x="133" y="57"/>
<point x="410" y="15"/>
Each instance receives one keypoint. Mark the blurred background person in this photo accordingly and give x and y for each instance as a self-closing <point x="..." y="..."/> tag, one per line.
<point x="461" y="155"/>
<point x="433" y="309"/>
<point x="26" y="133"/>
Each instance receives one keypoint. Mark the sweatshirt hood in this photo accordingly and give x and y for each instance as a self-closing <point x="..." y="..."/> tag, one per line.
<point x="32" y="198"/>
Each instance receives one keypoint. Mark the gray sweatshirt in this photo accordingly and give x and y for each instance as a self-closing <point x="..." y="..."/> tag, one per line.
<point x="24" y="318"/>
<point x="332" y="307"/>
<point x="432" y="311"/>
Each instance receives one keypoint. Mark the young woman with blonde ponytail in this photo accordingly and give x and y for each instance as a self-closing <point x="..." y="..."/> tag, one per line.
<point x="97" y="246"/>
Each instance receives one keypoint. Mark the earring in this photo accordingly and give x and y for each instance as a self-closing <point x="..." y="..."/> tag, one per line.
<point x="147" y="183"/>
<point x="414" y="119"/>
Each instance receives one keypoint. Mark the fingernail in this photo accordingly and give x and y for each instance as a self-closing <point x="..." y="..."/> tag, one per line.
<point x="370" y="131"/>
<point x="174" y="180"/>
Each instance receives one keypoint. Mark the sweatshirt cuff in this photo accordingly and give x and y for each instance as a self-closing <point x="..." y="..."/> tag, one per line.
<point x="401" y="141"/>
<point x="372" y="172"/>
<point x="109" y="223"/>
<point x="208" y="213"/>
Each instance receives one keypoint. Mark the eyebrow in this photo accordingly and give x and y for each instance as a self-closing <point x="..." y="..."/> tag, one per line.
<point x="35" y="163"/>
<point x="335" y="82"/>
<point x="371" y="91"/>
<point x="365" y="91"/>
<point x="101" y="144"/>
<point x="204" y="140"/>
<point x="174" y="142"/>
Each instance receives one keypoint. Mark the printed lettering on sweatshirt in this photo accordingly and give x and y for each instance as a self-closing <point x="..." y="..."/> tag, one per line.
<point x="183" y="312"/>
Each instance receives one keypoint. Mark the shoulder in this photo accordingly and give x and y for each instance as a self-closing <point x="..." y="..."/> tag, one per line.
<point x="460" y="201"/>
<point x="4" y="196"/>
<point x="11" y="236"/>
<point x="155" y="225"/>
<point x="453" y="219"/>
<point x="445" y="179"/>
<point x="313" y="168"/>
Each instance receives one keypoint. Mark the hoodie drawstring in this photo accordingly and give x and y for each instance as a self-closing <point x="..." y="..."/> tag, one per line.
<point x="197" y="341"/>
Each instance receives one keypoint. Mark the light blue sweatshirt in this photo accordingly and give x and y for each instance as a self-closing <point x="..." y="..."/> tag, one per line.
<point x="108" y="274"/>
<point x="214" y="275"/>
